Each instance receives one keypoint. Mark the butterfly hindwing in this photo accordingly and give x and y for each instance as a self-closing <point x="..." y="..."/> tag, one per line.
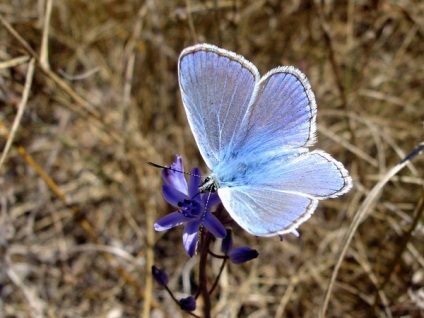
<point x="284" y="193"/>
<point x="266" y="211"/>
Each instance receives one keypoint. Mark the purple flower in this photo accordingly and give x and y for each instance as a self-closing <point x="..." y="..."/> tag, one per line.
<point x="160" y="276"/>
<point x="227" y="242"/>
<point x="194" y="208"/>
<point x="242" y="254"/>
<point x="188" y="303"/>
<point x="237" y="255"/>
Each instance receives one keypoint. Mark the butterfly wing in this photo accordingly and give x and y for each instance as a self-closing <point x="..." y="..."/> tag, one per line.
<point x="282" y="113"/>
<point x="315" y="174"/>
<point x="216" y="87"/>
<point x="231" y="111"/>
<point x="254" y="133"/>
<point x="284" y="195"/>
<point x="273" y="183"/>
<point x="266" y="211"/>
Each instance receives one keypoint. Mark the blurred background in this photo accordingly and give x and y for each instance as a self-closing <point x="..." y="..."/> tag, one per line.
<point x="89" y="93"/>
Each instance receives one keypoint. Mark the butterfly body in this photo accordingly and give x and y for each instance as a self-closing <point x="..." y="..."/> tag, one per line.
<point x="254" y="134"/>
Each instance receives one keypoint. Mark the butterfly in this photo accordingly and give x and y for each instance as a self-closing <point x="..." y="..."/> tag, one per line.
<point x="253" y="133"/>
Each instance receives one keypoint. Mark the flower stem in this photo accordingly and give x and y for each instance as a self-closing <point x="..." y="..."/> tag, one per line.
<point x="218" y="277"/>
<point x="203" y="287"/>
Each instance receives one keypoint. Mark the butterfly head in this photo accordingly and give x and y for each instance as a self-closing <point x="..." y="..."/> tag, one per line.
<point x="211" y="184"/>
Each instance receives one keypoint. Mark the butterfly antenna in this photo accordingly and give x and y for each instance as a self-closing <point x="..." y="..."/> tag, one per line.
<point x="171" y="169"/>
<point x="207" y="200"/>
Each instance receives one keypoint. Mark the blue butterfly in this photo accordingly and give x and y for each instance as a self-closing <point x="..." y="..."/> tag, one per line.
<point x="253" y="133"/>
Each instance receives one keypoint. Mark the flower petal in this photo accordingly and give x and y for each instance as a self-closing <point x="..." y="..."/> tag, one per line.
<point x="213" y="199"/>
<point x="170" y="220"/>
<point x="194" y="182"/>
<point x="173" y="195"/>
<point x="227" y="242"/>
<point x="242" y="254"/>
<point x="160" y="276"/>
<point x="175" y="178"/>
<point x="191" y="236"/>
<point x="188" y="303"/>
<point x="214" y="226"/>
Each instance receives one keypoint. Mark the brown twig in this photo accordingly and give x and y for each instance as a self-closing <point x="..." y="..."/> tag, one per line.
<point x="325" y="28"/>
<point x="360" y="217"/>
<point x="21" y="109"/>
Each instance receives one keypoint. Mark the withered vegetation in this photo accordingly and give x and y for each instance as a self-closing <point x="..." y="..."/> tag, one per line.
<point x="89" y="95"/>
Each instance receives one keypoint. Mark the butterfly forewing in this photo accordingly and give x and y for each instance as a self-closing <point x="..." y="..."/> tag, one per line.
<point x="216" y="87"/>
<point x="283" y="111"/>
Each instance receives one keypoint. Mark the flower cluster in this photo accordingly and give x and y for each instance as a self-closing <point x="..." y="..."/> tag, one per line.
<point x="194" y="208"/>
<point x="195" y="213"/>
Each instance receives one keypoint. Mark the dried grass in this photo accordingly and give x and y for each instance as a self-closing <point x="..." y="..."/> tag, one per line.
<point x="78" y="200"/>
